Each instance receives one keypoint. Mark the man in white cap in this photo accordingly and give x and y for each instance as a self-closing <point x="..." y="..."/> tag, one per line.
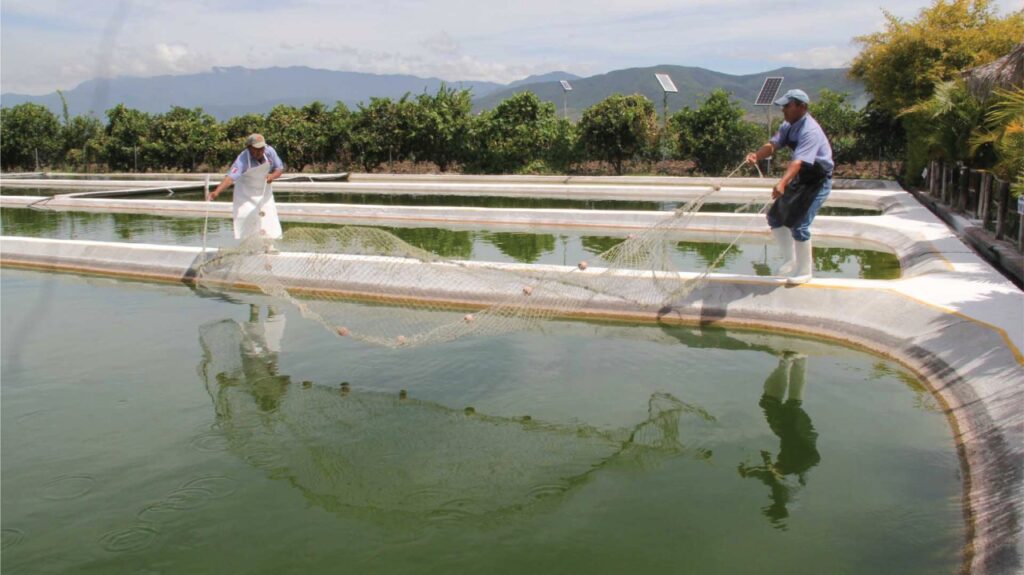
<point x="803" y="187"/>
<point x="253" y="208"/>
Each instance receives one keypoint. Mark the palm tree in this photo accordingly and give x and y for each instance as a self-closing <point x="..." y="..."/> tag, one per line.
<point x="953" y="116"/>
<point x="1003" y="132"/>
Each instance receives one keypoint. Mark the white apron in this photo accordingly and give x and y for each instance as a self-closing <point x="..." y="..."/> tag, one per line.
<point x="253" y="208"/>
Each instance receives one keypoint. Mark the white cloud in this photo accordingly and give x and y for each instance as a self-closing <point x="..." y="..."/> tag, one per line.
<point x="48" y="44"/>
<point x="819" y="57"/>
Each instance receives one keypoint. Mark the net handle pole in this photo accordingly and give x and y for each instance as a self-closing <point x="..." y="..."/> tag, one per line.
<point x="206" y="215"/>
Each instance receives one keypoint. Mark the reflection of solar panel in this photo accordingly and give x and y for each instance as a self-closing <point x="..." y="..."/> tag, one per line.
<point x="666" y="83"/>
<point x="768" y="91"/>
<point x="566" y="85"/>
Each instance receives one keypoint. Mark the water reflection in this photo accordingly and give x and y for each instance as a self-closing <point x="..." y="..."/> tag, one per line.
<point x="518" y="247"/>
<point x="523" y="248"/>
<point x="357" y="451"/>
<point x="782" y="403"/>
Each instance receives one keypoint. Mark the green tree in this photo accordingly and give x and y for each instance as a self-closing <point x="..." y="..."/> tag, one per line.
<point x="520" y="130"/>
<point x="27" y="132"/>
<point x="901" y="65"/>
<point x="127" y="133"/>
<point x="83" y="140"/>
<point x="339" y="134"/>
<point x="840" y="121"/>
<point x="298" y="134"/>
<point x="715" y="135"/>
<point x="1003" y="131"/>
<point x="182" y="138"/>
<point x="377" y="131"/>
<point x="618" y="128"/>
<point x="948" y="119"/>
<point x="235" y="131"/>
<point x="880" y="133"/>
<point x="440" y="126"/>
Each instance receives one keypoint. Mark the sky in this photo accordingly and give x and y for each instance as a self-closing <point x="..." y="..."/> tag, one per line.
<point x="56" y="44"/>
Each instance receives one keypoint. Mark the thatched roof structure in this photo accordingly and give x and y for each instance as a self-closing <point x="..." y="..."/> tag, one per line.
<point x="1006" y="72"/>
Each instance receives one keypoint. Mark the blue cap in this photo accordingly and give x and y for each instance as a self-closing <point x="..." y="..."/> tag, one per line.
<point x="791" y="95"/>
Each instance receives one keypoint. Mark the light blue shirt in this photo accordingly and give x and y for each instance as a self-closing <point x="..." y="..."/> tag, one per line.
<point x="244" y="161"/>
<point x="807" y="140"/>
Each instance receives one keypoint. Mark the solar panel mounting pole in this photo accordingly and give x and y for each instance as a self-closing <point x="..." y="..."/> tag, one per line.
<point x="667" y="85"/>
<point x="765" y="98"/>
<point x="566" y="88"/>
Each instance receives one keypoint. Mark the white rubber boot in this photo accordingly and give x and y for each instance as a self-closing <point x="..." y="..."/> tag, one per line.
<point x="804" y="264"/>
<point x="784" y="238"/>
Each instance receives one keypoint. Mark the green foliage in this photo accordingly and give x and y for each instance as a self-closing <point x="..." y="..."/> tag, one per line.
<point x="182" y="138"/>
<point x="83" y="140"/>
<point x="25" y="130"/>
<point x="618" y="128"/>
<point x="840" y="121"/>
<point x="901" y="65"/>
<point x="524" y="248"/>
<point x="127" y="134"/>
<point x="880" y="133"/>
<point x="1003" y="132"/>
<point x="339" y="126"/>
<point x="377" y="131"/>
<point x="519" y="131"/>
<point x="235" y="131"/>
<point x="715" y="135"/>
<point x="950" y="117"/>
<point x="440" y="126"/>
<point x="911" y="69"/>
<point x="301" y="136"/>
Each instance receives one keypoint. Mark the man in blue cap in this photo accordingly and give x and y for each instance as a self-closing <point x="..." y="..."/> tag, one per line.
<point x="803" y="187"/>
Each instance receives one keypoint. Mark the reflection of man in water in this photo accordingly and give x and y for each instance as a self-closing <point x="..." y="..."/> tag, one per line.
<point x="798" y="451"/>
<point x="264" y="337"/>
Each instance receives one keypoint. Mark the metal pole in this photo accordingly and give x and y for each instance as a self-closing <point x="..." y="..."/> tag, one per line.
<point x="37" y="159"/>
<point x="565" y="105"/>
<point x="664" y="110"/>
<point x="768" y="118"/>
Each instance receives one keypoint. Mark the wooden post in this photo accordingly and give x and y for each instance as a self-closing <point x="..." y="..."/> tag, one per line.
<point x="1002" y="211"/>
<point x="1020" y="232"/>
<point x="983" y="198"/>
<point x="962" y="185"/>
<point x="945" y="177"/>
<point x="974" y="186"/>
<point x="933" y="178"/>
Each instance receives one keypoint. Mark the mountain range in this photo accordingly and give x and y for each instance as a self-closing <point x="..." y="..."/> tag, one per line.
<point x="225" y="92"/>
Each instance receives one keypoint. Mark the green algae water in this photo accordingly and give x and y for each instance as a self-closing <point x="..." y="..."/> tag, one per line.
<point x="752" y="255"/>
<point x="486" y="201"/>
<point x="155" y="428"/>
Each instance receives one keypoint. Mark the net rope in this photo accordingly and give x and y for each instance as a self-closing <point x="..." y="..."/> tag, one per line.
<point x="322" y="270"/>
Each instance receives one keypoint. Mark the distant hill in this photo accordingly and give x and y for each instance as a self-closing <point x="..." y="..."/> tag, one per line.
<point x="232" y="91"/>
<point x="227" y="92"/>
<point x="693" y="84"/>
<point x="540" y="79"/>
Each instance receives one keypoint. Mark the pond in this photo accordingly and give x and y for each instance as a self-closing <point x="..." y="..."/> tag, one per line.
<point x="490" y="201"/>
<point x="157" y="428"/>
<point x="752" y="255"/>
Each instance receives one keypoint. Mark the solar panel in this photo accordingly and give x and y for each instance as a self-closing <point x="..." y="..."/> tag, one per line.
<point x="566" y="85"/>
<point x="768" y="91"/>
<point x="666" y="83"/>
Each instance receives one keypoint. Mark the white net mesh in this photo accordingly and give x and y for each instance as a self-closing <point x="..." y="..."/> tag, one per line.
<point x="323" y="270"/>
<point x="352" y="449"/>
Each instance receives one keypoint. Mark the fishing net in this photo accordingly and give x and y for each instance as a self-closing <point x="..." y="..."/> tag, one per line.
<point x="353" y="450"/>
<point x="322" y="270"/>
